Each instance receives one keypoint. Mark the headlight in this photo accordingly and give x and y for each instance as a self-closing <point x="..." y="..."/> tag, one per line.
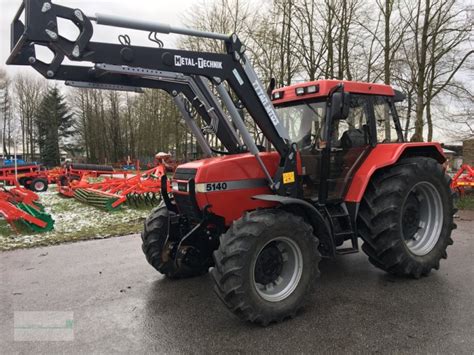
<point x="300" y="91"/>
<point x="278" y="95"/>
<point x="313" y="89"/>
<point x="174" y="186"/>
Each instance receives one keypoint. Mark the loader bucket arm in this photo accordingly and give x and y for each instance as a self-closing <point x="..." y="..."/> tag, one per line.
<point x="233" y="67"/>
<point x="90" y="77"/>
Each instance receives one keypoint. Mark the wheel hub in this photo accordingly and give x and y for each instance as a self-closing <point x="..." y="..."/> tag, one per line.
<point x="422" y="218"/>
<point x="411" y="217"/>
<point x="277" y="269"/>
<point x="269" y="265"/>
<point x="39" y="185"/>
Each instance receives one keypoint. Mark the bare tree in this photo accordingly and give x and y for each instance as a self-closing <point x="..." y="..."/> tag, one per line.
<point x="221" y="16"/>
<point x="29" y="93"/>
<point x="6" y="112"/>
<point x="310" y="37"/>
<point x="439" y="28"/>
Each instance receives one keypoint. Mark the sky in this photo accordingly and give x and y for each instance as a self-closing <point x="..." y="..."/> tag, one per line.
<point x="164" y="11"/>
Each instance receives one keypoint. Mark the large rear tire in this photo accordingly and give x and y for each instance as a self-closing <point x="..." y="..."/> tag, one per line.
<point x="266" y="266"/>
<point x="406" y="217"/>
<point x="158" y="248"/>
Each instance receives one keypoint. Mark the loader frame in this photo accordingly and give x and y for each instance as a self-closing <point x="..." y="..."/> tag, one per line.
<point x="232" y="67"/>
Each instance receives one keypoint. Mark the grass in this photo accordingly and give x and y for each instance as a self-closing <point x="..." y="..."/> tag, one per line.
<point x="74" y="221"/>
<point x="467" y="202"/>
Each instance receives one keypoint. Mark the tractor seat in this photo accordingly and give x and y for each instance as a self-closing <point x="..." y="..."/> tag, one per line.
<point x="353" y="138"/>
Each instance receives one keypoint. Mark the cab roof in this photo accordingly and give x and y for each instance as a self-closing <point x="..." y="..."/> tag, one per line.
<point x="322" y="88"/>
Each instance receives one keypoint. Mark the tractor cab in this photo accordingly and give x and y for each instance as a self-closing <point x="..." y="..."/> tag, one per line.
<point x="371" y="119"/>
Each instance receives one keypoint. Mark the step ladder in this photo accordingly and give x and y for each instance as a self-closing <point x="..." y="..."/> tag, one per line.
<point x="343" y="227"/>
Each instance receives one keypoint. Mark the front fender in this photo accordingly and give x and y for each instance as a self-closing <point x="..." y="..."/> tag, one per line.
<point x="311" y="214"/>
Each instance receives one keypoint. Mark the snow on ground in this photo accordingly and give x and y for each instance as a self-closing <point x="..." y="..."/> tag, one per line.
<point x="75" y="221"/>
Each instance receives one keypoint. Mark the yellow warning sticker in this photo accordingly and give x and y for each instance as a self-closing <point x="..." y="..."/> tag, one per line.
<point x="289" y="178"/>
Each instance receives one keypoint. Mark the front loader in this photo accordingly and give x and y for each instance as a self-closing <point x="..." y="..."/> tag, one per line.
<point x="334" y="168"/>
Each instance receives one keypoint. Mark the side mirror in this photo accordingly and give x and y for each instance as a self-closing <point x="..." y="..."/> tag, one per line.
<point x="271" y="87"/>
<point x="340" y="105"/>
<point x="399" y="96"/>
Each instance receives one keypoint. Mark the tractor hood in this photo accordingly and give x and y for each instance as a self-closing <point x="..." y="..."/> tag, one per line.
<point x="229" y="168"/>
<point x="225" y="185"/>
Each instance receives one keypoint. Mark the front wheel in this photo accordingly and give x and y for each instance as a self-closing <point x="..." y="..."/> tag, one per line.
<point x="159" y="248"/>
<point x="266" y="266"/>
<point x="406" y="217"/>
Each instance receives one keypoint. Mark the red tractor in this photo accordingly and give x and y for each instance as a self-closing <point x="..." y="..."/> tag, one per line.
<point x="333" y="167"/>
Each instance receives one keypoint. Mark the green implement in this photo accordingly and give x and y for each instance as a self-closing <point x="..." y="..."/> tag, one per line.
<point x="39" y="214"/>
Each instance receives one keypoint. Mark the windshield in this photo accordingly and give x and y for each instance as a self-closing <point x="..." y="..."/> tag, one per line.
<point x="304" y="122"/>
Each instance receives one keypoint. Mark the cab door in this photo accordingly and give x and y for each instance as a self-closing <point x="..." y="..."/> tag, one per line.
<point x="351" y="141"/>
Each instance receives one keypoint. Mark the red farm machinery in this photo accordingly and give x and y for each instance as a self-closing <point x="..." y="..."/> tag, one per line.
<point x="463" y="180"/>
<point x="108" y="189"/>
<point x="260" y="216"/>
<point x="71" y="173"/>
<point x="30" y="175"/>
<point x="21" y="209"/>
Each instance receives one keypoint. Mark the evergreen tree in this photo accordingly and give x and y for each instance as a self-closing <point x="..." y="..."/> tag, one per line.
<point x="54" y="122"/>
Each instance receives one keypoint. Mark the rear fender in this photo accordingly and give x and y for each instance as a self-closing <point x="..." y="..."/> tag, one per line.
<point x="384" y="155"/>
<point x="310" y="214"/>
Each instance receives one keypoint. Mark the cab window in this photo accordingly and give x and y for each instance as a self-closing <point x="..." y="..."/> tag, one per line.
<point x="304" y="122"/>
<point x="384" y="120"/>
<point x="353" y="131"/>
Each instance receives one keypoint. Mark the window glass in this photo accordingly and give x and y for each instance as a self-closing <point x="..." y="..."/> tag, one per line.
<point x="304" y="122"/>
<point x="355" y="127"/>
<point x="386" y="132"/>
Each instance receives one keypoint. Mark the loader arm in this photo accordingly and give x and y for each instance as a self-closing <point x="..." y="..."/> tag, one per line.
<point x="180" y="92"/>
<point x="233" y="67"/>
<point x="91" y="77"/>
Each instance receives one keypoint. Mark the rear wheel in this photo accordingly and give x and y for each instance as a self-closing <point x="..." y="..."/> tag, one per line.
<point x="160" y="250"/>
<point x="266" y="266"/>
<point x="39" y="185"/>
<point x="406" y="217"/>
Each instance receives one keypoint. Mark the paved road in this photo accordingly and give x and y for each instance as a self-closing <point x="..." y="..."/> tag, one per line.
<point x="121" y="305"/>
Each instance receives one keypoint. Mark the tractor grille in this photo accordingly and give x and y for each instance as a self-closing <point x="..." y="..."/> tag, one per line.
<point x="185" y="203"/>
<point x="186" y="206"/>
